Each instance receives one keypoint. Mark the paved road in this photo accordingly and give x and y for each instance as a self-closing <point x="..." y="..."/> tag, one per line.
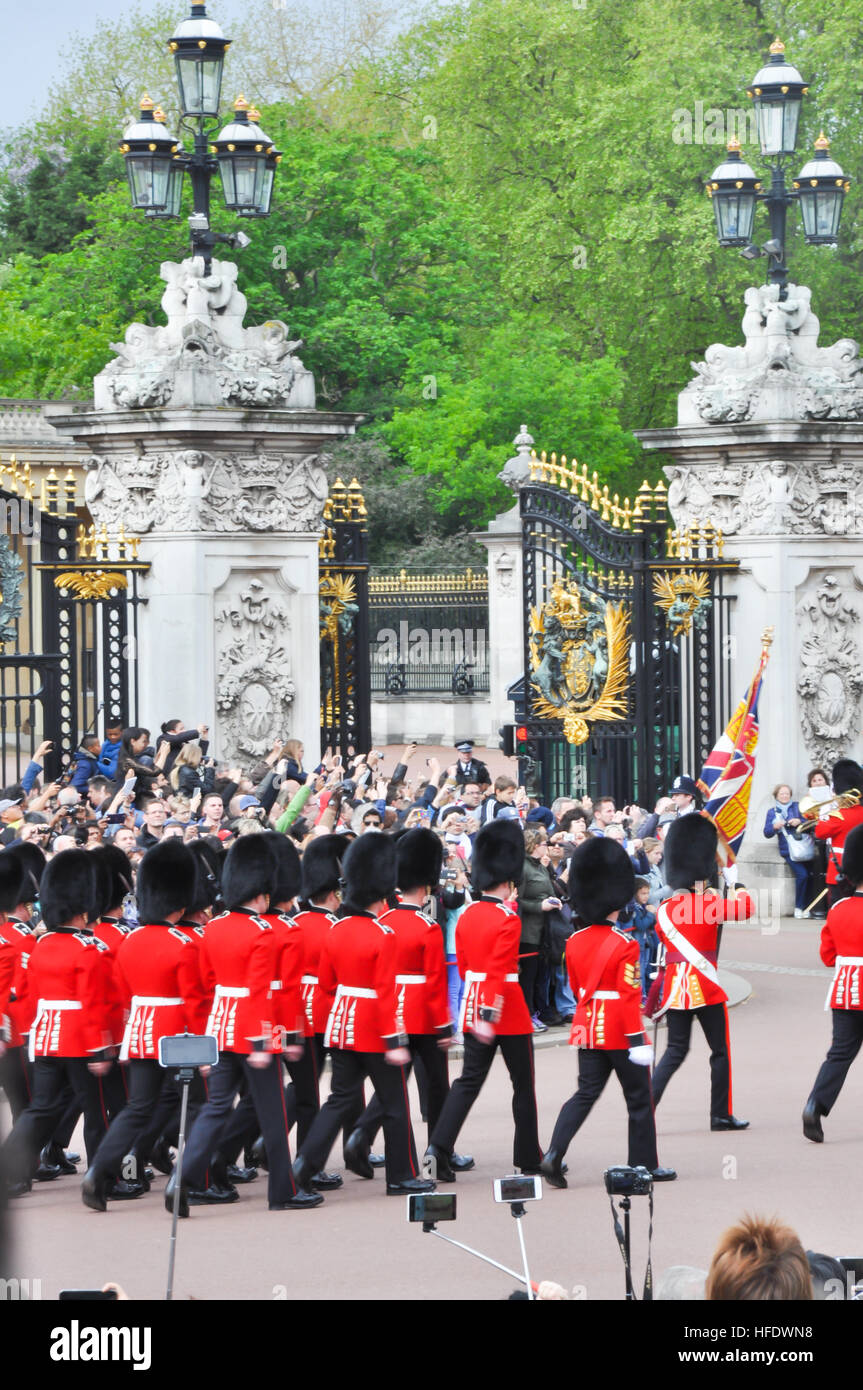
<point x="360" y="1246"/>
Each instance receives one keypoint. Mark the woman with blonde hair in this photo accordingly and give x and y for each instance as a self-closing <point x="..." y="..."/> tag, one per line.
<point x="189" y="774"/>
<point x="293" y="750"/>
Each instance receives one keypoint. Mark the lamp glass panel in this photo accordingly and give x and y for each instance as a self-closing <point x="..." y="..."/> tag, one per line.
<point x="200" y="81"/>
<point x="735" y="215"/>
<point x="148" y="181"/>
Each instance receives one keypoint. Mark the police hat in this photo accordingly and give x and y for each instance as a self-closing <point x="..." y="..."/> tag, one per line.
<point x="369" y="870"/>
<point x="498" y="855"/>
<point x="601" y="878"/>
<point x="68" y="888"/>
<point x="684" y="785"/>
<point x="689" y="851"/>
<point x="166" y="881"/>
<point x="420" y="856"/>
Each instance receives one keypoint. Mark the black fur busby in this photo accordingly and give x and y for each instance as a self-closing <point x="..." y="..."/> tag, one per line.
<point x="847" y="776"/>
<point x="369" y="870"/>
<point x="322" y="866"/>
<point x="498" y="855"/>
<point x="420" y="856"/>
<point x="113" y="876"/>
<point x="250" y="869"/>
<point x="288" y="873"/>
<point x="208" y="874"/>
<point x="32" y="861"/>
<point x="852" y="856"/>
<point x="601" y="879"/>
<point x="11" y="881"/>
<point x="690" y="851"/>
<point x="68" y="888"/>
<point x="166" y="881"/>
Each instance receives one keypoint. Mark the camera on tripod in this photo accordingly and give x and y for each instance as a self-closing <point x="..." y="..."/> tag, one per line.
<point x="623" y="1181"/>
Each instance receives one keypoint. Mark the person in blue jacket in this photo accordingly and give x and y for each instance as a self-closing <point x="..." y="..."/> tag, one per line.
<point x="86" y="762"/>
<point x="110" y="750"/>
<point x="782" y="816"/>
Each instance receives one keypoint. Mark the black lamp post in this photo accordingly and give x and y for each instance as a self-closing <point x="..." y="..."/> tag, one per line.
<point x="777" y="92"/>
<point x="245" y="157"/>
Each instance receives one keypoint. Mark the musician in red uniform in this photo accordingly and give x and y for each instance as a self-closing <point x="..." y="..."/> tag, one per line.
<point x="158" y="973"/>
<point x="689" y="925"/>
<point x="243" y="953"/>
<point x="358" y="966"/>
<point x="422" y="1007"/>
<point x="833" y="827"/>
<point x="842" y="948"/>
<point x="602" y="963"/>
<point x="68" y="988"/>
<point x="494" y="1013"/>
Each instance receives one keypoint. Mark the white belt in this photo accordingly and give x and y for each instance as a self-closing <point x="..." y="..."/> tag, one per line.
<point x="355" y="992"/>
<point x="477" y="976"/>
<point x="152" y="1001"/>
<point x="47" y="1006"/>
<point x="232" y="992"/>
<point x="274" y="984"/>
<point x="309" y="980"/>
<point x="848" y="960"/>
<point x="602" y="994"/>
<point x="410" y="979"/>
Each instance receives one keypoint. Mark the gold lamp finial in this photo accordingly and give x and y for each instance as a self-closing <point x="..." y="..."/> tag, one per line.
<point x="733" y="145"/>
<point x="822" y="143"/>
<point x="147" y="103"/>
<point x="777" y="46"/>
<point x="241" y="104"/>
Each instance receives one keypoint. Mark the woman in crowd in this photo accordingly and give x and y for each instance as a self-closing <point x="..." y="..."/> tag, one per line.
<point x="190" y="773"/>
<point x="171" y="739"/>
<point x="782" y="816"/>
<point x="293" y="750"/>
<point x="536" y="897"/>
<point x="130" y="762"/>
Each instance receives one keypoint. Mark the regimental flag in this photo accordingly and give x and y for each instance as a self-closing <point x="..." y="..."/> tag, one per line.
<point x="726" y="778"/>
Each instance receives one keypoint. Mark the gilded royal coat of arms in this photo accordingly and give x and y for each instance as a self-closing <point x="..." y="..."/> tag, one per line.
<point x="685" y="597"/>
<point x="579" y="667"/>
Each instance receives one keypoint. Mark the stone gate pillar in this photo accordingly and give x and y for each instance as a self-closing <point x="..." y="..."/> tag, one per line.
<point x="205" y="443"/>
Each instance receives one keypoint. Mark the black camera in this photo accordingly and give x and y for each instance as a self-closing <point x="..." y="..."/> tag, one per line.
<point x="628" y="1182"/>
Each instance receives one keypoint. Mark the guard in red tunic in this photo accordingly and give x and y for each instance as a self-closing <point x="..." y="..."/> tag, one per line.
<point x="494" y="1012"/>
<point x="358" y="966"/>
<point x="115" y="881"/>
<point x="602" y="963"/>
<point x="842" y="948"/>
<point x="157" y="970"/>
<point x="68" y="986"/>
<point x="689" y="925"/>
<point x="833" y="828"/>
<point x="422" y="1007"/>
<point x="21" y="869"/>
<point x="243" y="954"/>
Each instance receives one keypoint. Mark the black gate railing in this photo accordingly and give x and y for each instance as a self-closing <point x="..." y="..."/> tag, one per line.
<point x="344" y="622"/>
<point x="429" y="633"/>
<point x="626" y="635"/>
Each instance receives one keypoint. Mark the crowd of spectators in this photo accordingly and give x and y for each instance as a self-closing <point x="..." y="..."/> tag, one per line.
<point x="804" y="855"/>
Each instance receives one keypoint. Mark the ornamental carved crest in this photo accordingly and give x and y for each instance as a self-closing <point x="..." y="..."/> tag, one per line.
<point x="685" y="599"/>
<point x="830" y="681"/>
<point x="11" y="597"/>
<point x="579" y="666"/>
<point x="254" y="691"/>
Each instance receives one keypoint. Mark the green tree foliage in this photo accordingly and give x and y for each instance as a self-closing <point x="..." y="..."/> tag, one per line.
<point x="46" y="205"/>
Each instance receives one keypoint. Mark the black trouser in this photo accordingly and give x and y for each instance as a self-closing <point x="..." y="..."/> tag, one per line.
<point x="714" y="1024"/>
<point x="595" y="1066"/>
<point x="528" y="970"/>
<point x="165" y="1117"/>
<point x="847" y="1041"/>
<point x="425" y="1053"/>
<point x="517" y="1052"/>
<point x="391" y="1087"/>
<point x="38" y="1122"/>
<point x="15" y="1079"/>
<point x="268" y="1096"/>
<point x="146" y="1082"/>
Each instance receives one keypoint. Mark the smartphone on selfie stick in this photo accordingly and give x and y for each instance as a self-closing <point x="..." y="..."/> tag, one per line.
<point x="188" y="1052"/>
<point x="441" y="1206"/>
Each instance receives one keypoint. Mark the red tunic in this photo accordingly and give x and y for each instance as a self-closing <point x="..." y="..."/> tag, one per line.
<point x="315" y="924"/>
<point x="14" y="1001"/>
<point x="158" y="972"/>
<point x="112" y="933"/>
<point x="835" y="828"/>
<point x="609" y="1016"/>
<point x="487" y="935"/>
<point x="358" y="967"/>
<point x="421" y="980"/>
<point x="68" y="984"/>
<point x="842" y="947"/>
<point x="697" y="917"/>
<point x="241" y="950"/>
<point x="287" y="983"/>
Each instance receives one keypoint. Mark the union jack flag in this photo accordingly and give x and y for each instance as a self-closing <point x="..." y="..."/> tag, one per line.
<point x="726" y="778"/>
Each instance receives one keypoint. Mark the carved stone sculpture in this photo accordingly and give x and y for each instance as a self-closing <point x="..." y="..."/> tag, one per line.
<point x="779" y="497"/>
<point x="255" y="690"/>
<point x="830" y="682"/>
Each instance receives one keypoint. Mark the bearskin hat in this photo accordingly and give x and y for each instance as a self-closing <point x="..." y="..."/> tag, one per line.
<point x="32" y="861"/>
<point x="420" y="856"/>
<point x="601" y="878"/>
<point x="289" y="873"/>
<point x="322" y="866"/>
<point x="12" y="888"/>
<point x="847" y="776"/>
<point x="113" y="876"/>
<point x="208" y="872"/>
<point x="369" y="870"/>
<point x="166" y="881"/>
<point x="498" y="855"/>
<point x="690" y="851"/>
<point x="852" y="856"/>
<point x="250" y="869"/>
<point x="68" y="888"/>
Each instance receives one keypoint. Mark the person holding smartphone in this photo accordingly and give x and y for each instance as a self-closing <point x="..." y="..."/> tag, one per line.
<point x="536" y="898"/>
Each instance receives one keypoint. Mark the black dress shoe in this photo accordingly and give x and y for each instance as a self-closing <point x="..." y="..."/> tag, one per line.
<point x="218" y="1175"/>
<point x="169" y="1196"/>
<point x="212" y="1196"/>
<point x="241" y="1175"/>
<point x="53" y="1155"/>
<point x="409" y="1186"/>
<point x="378" y="1160"/>
<point x="94" y="1191"/>
<point x="161" y="1158"/>
<point x="124" y="1191"/>
<point x="812" y="1121"/>
<point x="462" y="1163"/>
<point x="256" y="1156"/>
<point x="566" y="1018"/>
<point x="727" y="1122"/>
<point x="303" y="1201"/>
<point x="356" y="1155"/>
<point x="437" y="1163"/>
<point x="552" y="1169"/>
<point x="302" y="1173"/>
<point x="18" y="1189"/>
<point x="664" y="1175"/>
<point x="47" y="1172"/>
<point x="327" y="1182"/>
<point x="73" y="1158"/>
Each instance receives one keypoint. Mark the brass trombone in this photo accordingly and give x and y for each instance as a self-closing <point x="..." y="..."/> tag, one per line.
<point x="808" y="805"/>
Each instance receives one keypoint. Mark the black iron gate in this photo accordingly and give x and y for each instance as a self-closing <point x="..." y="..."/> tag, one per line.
<point x="344" y="622"/>
<point x="626" y="639"/>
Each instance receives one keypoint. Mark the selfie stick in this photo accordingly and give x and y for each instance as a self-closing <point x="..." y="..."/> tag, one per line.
<point x="430" y="1229"/>
<point x="518" y="1211"/>
<point x="185" y="1076"/>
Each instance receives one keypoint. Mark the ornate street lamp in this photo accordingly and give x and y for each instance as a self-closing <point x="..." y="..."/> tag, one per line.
<point x="244" y="155"/>
<point x="777" y="92"/>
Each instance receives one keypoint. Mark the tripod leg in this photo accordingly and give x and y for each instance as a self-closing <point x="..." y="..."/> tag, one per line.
<point x="181" y="1145"/>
